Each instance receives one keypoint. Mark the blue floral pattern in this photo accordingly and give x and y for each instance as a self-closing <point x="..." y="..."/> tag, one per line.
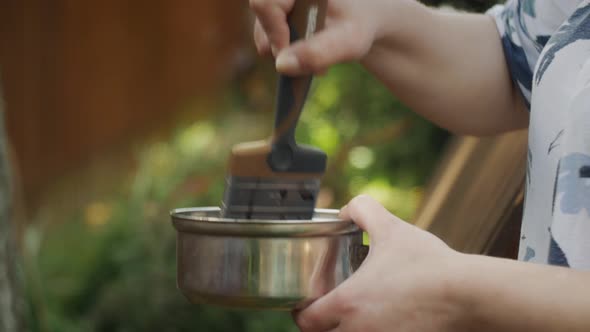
<point x="573" y="183"/>
<point x="547" y="48"/>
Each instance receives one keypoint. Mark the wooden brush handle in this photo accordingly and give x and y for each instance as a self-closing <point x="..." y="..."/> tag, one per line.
<point x="306" y="18"/>
<point x="282" y="157"/>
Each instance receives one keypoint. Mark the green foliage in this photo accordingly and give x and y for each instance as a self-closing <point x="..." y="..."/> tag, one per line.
<point x="110" y="266"/>
<point x="375" y="145"/>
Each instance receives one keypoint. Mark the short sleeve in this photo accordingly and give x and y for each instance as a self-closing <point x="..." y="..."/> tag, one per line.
<point x="525" y="26"/>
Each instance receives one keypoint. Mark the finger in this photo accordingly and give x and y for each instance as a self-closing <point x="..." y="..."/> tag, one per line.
<point x="260" y="39"/>
<point x="272" y="15"/>
<point x="339" y="43"/>
<point x="371" y="216"/>
<point x="322" y="315"/>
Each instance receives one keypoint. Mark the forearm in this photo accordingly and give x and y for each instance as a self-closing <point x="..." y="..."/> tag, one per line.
<point x="449" y="67"/>
<point x="504" y="295"/>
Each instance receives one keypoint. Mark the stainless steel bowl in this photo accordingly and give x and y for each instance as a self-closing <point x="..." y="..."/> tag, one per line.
<point x="264" y="264"/>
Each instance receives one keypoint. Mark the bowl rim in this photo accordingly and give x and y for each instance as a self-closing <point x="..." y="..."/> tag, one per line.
<point x="206" y="220"/>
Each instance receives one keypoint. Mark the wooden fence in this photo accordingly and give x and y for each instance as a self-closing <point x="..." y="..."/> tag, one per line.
<point x="82" y="77"/>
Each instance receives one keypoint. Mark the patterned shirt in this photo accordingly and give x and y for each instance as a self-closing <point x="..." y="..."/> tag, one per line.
<point x="547" y="48"/>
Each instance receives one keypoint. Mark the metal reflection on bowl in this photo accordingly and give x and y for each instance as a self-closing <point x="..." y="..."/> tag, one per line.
<point x="263" y="264"/>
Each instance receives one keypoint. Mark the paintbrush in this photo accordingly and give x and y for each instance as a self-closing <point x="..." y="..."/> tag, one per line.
<point x="277" y="178"/>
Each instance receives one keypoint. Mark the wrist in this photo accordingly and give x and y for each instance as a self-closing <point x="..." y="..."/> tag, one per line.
<point x="452" y="295"/>
<point x="398" y="25"/>
<point x="439" y="296"/>
<point x="470" y="292"/>
<point x="402" y="29"/>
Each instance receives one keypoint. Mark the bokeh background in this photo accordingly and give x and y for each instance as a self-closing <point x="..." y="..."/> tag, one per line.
<point x="119" y="111"/>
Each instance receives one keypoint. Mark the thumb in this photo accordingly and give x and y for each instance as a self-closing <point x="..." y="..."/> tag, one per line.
<point x="324" y="314"/>
<point x="372" y="217"/>
<point x="339" y="43"/>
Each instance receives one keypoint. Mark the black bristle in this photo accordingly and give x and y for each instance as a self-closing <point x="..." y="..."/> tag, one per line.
<point x="270" y="198"/>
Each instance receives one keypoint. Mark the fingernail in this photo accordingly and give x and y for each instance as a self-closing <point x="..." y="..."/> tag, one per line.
<point x="274" y="50"/>
<point x="287" y="61"/>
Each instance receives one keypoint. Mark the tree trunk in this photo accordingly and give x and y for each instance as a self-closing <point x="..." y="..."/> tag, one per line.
<point x="8" y="284"/>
